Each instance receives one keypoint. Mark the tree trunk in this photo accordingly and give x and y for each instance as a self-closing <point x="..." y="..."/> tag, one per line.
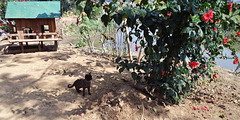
<point x="127" y="39"/>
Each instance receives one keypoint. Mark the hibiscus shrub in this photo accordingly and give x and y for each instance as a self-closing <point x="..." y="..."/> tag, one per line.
<point x="181" y="39"/>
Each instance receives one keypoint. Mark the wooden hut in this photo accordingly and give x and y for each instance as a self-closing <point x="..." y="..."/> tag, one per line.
<point x="33" y="21"/>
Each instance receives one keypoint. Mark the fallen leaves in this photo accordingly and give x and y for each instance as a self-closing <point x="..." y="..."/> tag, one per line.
<point x="204" y="108"/>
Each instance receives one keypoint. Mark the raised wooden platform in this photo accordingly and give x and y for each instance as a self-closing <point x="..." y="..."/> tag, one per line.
<point x="14" y="38"/>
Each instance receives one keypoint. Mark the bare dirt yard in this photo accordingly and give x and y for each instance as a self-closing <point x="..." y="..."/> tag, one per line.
<point x="33" y="86"/>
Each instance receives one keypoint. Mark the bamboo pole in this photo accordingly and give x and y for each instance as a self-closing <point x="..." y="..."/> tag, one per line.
<point x="140" y="52"/>
<point x="139" y="55"/>
<point x="127" y="39"/>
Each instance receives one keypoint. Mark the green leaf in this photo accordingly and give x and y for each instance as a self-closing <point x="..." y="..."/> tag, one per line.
<point x="128" y="11"/>
<point x="121" y="70"/>
<point x="162" y="5"/>
<point x="195" y="19"/>
<point x="154" y="109"/>
<point x="144" y="2"/>
<point x="185" y="95"/>
<point x="149" y="39"/>
<point x="192" y="34"/>
<point x="117" y="18"/>
<point x="207" y="5"/>
<point x="165" y="85"/>
<point x="104" y="19"/>
<point x="134" y="75"/>
<point x="142" y="12"/>
<point x="200" y="32"/>
<point x="101" y="2"/>
<point x="142" y="43"/>
<point x="118" y="59"/>
<point x="149" y="51"/>
<point x="186" y="30"/>
<point x="88" y="10"/>
<point x="131" y="65"/>
<point x="113" y="6"/>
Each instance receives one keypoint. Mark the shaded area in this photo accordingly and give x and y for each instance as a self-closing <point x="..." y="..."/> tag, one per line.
<point x="29" y="95"/>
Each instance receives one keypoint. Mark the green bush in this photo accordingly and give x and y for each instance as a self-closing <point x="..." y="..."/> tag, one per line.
<point x="81" y="43"/>
<point x="189" y="35"/>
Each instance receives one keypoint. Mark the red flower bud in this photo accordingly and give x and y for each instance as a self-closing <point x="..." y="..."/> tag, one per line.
<point x="169" y="14"/>
<point x="230" y="5"/>
<point x="214" y="29"/>
<point x="136" y="47"/>
<point x="238" y="34"/>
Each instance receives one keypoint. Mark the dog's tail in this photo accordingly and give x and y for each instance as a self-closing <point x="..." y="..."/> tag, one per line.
<point x="70" y="86"/>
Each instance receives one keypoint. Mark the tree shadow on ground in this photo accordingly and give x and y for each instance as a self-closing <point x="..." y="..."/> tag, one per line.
<point x="112" y="94"/>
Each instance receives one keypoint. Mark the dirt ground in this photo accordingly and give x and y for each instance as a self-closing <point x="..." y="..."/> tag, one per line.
<point x="34" y="87"/>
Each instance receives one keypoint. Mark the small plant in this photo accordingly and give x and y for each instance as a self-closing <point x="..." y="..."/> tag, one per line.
<point x="100" y="49"/>
<point x="81" y="43"/>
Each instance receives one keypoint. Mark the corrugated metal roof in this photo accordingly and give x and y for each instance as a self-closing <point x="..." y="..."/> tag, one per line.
<point x="33" y="9"/>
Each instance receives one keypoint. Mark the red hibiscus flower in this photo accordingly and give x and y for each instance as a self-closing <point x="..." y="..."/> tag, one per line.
<point x="193" y="64"/>
<point x="236" y="61"/>
<point x="214" y="29"/>
<point x="163" y="73"/>
<point x="1" y="24"/>
<point x="230" y="5"/>
<point x="136" y="47"/>
<point x="195" y="40"/>
<point x="208" y="16"/>
<point x="215" y="76"/>
<point x="238" y="34"/>
<point x="225" y="40"/>
<point x="169" y="14"/>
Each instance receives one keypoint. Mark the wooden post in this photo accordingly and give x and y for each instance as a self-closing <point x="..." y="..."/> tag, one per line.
<point x="41" y="43"/>
<point x="22" y="48"/>
<point x="127" y="39"/>
<point x="56" y="44"/>
<point x="39" y="46"/>
<point x="139" y="55"/>
<point x="26" y="43"/>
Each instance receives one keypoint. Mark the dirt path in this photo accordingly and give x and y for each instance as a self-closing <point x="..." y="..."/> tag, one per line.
<point x="34" y="87"/>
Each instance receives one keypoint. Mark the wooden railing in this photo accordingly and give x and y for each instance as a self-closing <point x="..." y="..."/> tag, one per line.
<point x="34" y="37"/>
